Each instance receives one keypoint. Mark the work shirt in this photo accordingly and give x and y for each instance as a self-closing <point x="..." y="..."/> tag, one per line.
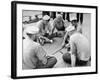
<point x="43" y="28"/>
<point x="59" y="24"/>
<point x="32" y="53"/>
<point x="80" y="46"/>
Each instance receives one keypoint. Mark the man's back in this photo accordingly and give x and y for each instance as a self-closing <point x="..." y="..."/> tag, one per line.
<point x="29" y="48"/>
<point x="81" y="45"/>
<point x="32" y="54"/>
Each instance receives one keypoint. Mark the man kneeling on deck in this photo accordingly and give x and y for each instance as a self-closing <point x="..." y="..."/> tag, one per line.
<point x="34" y="56"/>
<point x="58" y="25"/>
<point x="44" y="30"/>
<point x="79" y="54"/>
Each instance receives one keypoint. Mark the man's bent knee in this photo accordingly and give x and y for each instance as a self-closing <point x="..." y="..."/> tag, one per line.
<point x="67" y="58"/>
<point x="51" y="62"/>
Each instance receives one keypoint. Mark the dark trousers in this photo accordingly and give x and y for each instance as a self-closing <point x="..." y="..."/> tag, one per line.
<point x="51" y="61"/>
<point x="67" y="59"/>
<point x="59" y="33"/>
<point x="49" y="36"/>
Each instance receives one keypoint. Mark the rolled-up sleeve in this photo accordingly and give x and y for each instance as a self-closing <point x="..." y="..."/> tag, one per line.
<point x="41" y="54"/>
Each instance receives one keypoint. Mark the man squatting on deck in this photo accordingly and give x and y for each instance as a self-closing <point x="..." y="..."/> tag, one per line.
<point x="79" y="54"/>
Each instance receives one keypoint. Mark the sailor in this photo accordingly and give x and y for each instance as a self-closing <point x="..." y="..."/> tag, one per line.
<point x="79" y="54"/>
<point x="58" y="25"/>
<point x="44" y="29"/>
<point x="34" y="56"/>
<point x="73" y="24"/>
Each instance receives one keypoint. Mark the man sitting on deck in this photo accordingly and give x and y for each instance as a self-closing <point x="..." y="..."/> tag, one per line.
<point x="34" y="56"/>
<point x="44" y="30"/>
<point x="58" y="24"/>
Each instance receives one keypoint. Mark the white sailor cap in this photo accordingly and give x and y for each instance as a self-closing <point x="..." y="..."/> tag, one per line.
<point x="46" y="17"/>
<point x="32" y="30"/>
<point x="73" y="18"/>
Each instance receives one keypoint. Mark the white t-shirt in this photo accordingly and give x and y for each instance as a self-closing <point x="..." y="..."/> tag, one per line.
<point x="80" y="46"/>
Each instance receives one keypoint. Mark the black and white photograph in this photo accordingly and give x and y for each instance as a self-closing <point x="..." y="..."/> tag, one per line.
<point x="54" y="40"/>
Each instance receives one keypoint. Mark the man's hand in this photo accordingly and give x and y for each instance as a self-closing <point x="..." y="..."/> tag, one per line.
<point x="67" y="45"/>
